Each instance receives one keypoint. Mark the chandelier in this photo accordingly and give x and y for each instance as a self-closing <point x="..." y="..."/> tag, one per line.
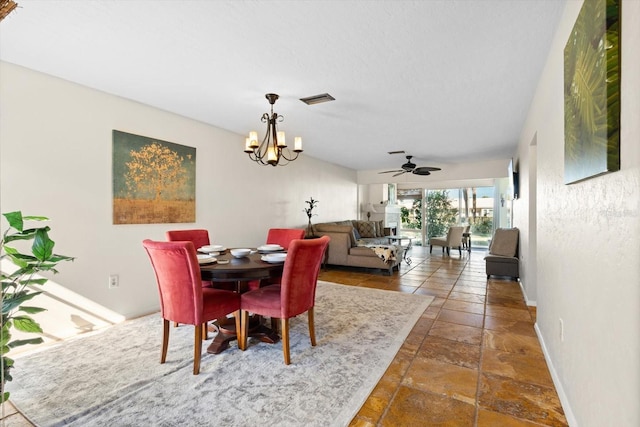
<point x="273" y="149"/>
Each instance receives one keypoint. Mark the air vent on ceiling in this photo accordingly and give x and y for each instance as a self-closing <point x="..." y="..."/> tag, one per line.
<point x="396" y="152"/>
<point x="317" y="99"/>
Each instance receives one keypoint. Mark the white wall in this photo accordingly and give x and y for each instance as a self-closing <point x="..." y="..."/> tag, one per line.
<point x="56" y="161"/>
<point x="588" y="250"/>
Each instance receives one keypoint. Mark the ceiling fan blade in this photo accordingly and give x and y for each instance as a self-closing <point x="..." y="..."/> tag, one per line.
<point x="391" y="171"/>
<point x="421" y="171"/>
<point x="400" y="173"/>
<point x="429" y="168"/>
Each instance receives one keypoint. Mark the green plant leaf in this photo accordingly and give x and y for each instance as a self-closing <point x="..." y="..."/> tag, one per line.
<point x="20" y="343"/>
<point x="13" y="301"/>
<point x="15" y="220"/>
<point x="41" y="281"/>
<point x="35" y="218"/>
<point x="24" y="234"/>
<point x="31" y="310"/>
<point x="57" y="258"/>
<point x="7" y="286"/>
<point x="16" y="258"/>
<point x="10" y="250"/>
<point x="26" y="324"/>
<point x="4" y="339"/>
<point x="42" y="245"/>
<point x="6" y="394"/>
<point x="7" y="362"/>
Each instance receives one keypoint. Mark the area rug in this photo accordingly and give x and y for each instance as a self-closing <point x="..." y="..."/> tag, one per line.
<point x="114" y="378"/>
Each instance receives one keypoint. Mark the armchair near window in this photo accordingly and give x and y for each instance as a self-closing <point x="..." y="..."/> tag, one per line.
<point x="453" y="239"/>
<point x="503" y="258"/>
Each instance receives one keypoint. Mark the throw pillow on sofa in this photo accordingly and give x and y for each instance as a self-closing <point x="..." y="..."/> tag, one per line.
<point x="380" y="228"/>
<point x="367" y="229"/>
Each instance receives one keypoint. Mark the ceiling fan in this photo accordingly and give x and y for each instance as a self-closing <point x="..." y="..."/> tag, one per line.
<point x="411" y="167"/>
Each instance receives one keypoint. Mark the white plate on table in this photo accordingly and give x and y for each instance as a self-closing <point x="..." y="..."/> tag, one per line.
<point x="212" y="248"/>
<point x="206" y="259"/>
<point x="274" y="258"/>
<point x="270" y="248"/>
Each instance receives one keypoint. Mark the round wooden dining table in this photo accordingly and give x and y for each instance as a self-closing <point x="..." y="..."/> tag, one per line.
<point x="240" y="271"/>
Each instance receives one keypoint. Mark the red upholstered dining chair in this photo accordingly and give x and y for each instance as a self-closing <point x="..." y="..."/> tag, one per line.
<point x="182" y="297"/>
<point x="198" y="237"/>
<point x="293" y="296"/>
<point x="282" y="237"/>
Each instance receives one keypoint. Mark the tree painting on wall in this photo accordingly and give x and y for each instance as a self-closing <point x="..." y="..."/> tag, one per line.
<point x="592" y="92"/>
<point x="154" y="181"/>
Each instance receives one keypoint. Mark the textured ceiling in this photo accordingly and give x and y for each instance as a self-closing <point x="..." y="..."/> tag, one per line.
<point x="447" y="81"/>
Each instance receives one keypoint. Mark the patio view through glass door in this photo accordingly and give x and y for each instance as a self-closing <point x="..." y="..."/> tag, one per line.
<point x="430" y="213"/>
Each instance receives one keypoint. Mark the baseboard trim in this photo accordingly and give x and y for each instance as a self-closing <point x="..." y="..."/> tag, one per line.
<point x="564" y="401"/>
<point x="530" y="303"/>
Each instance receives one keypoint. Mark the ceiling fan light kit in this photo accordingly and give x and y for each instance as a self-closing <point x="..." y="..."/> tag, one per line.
<point x="412" y="168"/>
<point x="273" y="149"/>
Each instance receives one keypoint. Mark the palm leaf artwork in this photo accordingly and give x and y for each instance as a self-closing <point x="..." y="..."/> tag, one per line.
<point x="592" y="92"/>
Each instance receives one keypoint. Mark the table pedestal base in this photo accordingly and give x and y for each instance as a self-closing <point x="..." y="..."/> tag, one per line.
<point x="227" y="332"/>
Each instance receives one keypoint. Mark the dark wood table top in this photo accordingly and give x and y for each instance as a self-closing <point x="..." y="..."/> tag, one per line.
<point x="240" y="269"/>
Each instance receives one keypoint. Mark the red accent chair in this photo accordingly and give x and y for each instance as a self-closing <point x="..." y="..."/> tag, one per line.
<point x="295" y="295"/>
<point x="182" y="297"/>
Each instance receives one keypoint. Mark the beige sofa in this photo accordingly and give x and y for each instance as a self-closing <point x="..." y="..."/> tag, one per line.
<point x="348" y="240"/>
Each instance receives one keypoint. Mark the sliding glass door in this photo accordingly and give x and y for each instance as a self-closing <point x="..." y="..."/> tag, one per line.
<point x="411" y="208"/>
<point x="430" y="213"/>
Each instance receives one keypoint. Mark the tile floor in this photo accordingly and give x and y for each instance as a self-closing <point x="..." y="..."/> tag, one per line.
<point x="473" y="358"/>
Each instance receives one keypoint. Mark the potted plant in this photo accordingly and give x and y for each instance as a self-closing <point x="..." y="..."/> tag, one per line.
<point x="309" y="211"/>
<point x="17" y="287"/>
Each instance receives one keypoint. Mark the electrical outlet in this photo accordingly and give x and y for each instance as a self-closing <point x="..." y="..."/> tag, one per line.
<point x="113" y="281"/>
<point x="561" y="330"/>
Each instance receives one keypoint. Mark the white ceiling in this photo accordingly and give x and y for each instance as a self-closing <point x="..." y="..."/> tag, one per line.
<point x="448" y="81"/>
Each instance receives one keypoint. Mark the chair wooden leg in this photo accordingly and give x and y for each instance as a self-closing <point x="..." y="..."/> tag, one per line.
<point x="244" y="324"/>
<point x="165" y="340"/>
<point x="312" y="327"/>
<point x="175" y="324"/>
<point x="240" y="332"/>
<point x="274" y="324"/>
<point x="197" y="349"/>
<point x="430" y="248"/>
<point x="205" y="332"/>
<point x="285" y="340"/>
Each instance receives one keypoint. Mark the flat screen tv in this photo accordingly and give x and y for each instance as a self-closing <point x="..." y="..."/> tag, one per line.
<point x="514" y="180"/>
